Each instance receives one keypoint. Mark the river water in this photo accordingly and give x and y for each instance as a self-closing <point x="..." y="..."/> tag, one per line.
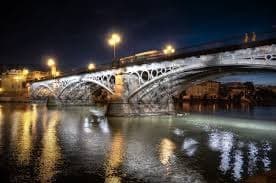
<point x="208" y="144"/>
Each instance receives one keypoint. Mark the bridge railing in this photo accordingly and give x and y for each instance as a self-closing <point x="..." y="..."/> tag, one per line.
<point x="82" y="70"/>
<point x="253" y="39"/>
<point x="229" y="44"/>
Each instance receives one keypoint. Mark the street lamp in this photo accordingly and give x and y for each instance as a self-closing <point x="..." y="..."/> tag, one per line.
<point x="91" y="66"/>
<point x="17" y="78"/>
<point x="52" y="64"/>
<point x="57" y="73"/>
<point x="114" y="39"/>
<point x="169" y="50"/>
<point x="25" y="72"/>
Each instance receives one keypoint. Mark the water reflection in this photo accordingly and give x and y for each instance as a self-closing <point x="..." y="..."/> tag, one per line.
<point x="1" y="124"/>
<point x="23" y="133"/>
<point x="223" y="142"/>
<point x="238" y="156"/>
<point x="178" y="132"/>
<point x="252" y="156"/>
<point x="1" y="115"/>
<point x="91" y="121"/>
<point x="190" y="146"/>
<point x="231" y="149"/>
<point x="213" y="107"/>
<point x="114" y="159"/>
<point x="25" y="136"/>
<point x="238" y="163"/>
<point x="104" y="126"/>
<point x="243" y="110"/>
<point x="267" y="147"/>
<point x="51" y="154"/>
<point x="166" y="152"/>
<point x="48" y="145"/>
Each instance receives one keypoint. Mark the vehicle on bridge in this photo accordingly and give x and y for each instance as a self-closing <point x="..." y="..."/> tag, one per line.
<point x="147" y="55"/>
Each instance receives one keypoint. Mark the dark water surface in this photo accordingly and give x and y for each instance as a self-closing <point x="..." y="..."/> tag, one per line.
<point x="38" y="144"/>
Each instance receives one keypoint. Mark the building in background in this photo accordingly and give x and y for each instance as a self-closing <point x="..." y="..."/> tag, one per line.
<point x="207" y="90"/>
<point x="233" y="92"/>
<point x="37" y="75"/>
<point x="14" y="82"/>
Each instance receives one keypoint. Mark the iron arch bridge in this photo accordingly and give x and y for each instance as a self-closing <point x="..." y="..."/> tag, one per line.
<point x="154" y="82"/>
<point x="76" y="88"/>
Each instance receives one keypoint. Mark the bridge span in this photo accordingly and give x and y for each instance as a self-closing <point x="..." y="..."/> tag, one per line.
<point x="157" y="81"/>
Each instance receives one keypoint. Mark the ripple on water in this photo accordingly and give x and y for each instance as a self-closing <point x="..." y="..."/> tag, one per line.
<point x="54" y="144"/>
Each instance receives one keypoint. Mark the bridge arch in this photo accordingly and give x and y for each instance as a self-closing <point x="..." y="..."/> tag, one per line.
<point x="77" y="83"/>
<point x="43" y="86"/>
<point x="162" y="76"/>
<point x="182" y="78"/>
<point x="99" y="84"/>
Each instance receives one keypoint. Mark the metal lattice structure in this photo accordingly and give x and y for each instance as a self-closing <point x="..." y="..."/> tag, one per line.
<point x="76" y="87"/>
<point x="157" y="81"/>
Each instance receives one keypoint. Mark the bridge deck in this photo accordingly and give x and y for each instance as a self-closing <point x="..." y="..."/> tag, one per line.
<point x="194" y="51"/>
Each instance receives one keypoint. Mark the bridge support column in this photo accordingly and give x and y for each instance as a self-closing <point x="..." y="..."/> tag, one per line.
<point x="118" y="104"/>
<point x="119" y="88"/>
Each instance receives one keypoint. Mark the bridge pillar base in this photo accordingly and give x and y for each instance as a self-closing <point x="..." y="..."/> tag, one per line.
<point x="130" y="109"/>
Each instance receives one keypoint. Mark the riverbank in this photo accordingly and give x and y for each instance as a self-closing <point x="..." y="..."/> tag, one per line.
<point x="234" y="101"/>
<point x="15" y="99"/>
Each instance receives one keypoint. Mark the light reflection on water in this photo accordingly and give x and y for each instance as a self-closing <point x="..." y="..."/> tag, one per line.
<point x="50" y="155"/>
<point x="70" y="144"/>
<point x="114" y="159"/>
<point x="1" y="123"/>
<point x="167" y="148"/>
<point x="190" y="146"/>
<point x="229" y="146"/>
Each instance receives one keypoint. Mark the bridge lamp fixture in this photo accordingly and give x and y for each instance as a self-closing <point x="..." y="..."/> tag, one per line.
<point x="57" y="73"/>
<point x="91" y="66"/>
<point x="52" y="64"/>
<point x="169" y="50"/>
<point x="17" y="78"/>
<point x="25" y="72"/>
<point x="113" y="41"/>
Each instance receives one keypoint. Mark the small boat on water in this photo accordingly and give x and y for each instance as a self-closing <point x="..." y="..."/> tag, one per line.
<point x="182" y="114"/>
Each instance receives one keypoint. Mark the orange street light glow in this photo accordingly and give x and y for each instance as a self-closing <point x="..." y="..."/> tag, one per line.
<point x="51" y="62"/>
<point x="25" y="71"/>
<point x="115" y="39"/>
<point x="169" y="50"/>
<point x="91" y="66"/>
<point x="57" y="73"/>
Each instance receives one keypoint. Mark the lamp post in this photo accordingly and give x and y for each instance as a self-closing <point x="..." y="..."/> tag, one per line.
<point x="25" y="72"/>
<point x="52" y="64"/>
<point x="17" y="78"/>
<point x="57" y="74"/>
<point x="114" y="39"/>
<point x="91" y="66"/>
<point x="169" y="50"/>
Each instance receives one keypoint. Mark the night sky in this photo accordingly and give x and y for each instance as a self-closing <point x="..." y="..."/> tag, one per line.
<point x="75" y="32"/>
